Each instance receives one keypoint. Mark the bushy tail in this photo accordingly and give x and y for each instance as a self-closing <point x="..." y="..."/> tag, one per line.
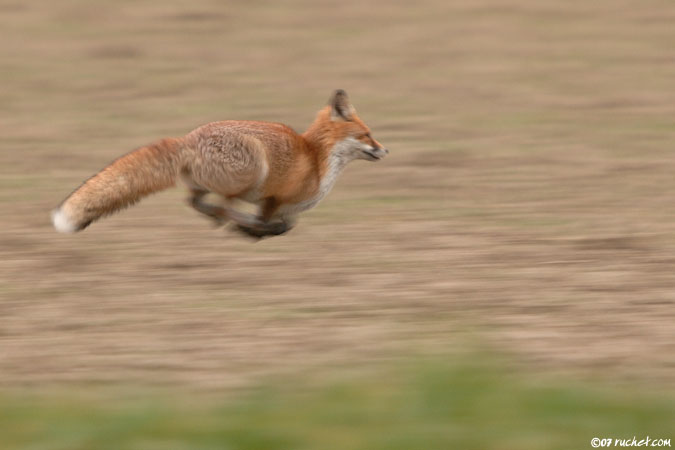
<point x="124" y="182"/>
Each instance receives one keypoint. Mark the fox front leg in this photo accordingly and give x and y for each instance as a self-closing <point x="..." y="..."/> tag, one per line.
<point x="269" y="229"/>
<point x="258" y="227"/>
<point x="279" y="225"/>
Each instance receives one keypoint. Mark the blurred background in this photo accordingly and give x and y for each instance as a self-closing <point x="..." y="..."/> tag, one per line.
<point x="503" y="279"/>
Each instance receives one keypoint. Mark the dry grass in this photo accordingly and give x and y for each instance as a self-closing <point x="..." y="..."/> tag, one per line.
<point x="527" y="199"/>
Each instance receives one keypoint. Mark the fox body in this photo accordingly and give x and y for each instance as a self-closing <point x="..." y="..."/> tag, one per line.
<point x="264" y="163"/>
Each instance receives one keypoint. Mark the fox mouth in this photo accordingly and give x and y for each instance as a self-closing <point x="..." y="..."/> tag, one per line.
<point x="372" y="156"/>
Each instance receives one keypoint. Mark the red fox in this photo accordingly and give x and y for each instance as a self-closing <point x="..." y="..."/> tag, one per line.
<point x="267" y="164"/>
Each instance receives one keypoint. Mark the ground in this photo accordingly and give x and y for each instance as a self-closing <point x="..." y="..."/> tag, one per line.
<point x="526" y="204"/>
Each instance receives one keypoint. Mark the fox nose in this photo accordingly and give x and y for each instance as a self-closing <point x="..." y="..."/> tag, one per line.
<point x="385" y="150"/>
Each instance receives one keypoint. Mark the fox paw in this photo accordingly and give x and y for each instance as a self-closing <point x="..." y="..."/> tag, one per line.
<point x="251" y="233"/>
<point x="218" y="222"/>
<point x="273" y="229"/>
<point x="276" y="228"/>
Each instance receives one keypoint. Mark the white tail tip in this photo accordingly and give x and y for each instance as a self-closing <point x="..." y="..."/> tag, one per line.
<point x="62" y="222"/>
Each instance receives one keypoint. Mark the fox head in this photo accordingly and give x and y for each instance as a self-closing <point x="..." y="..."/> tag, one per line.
<point x="340" y="129"/>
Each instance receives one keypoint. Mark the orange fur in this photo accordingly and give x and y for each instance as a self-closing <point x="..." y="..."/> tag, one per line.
<point x="261" y="162"/>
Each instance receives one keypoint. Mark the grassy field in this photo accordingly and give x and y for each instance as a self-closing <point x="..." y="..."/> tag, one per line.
<point x="468" y="405"/>
<point x="526" y="205"/>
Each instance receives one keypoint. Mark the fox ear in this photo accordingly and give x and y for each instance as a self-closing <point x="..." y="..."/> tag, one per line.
<point x="341" y="107"/>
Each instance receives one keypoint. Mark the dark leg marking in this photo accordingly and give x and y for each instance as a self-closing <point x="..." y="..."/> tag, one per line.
<point x="217" y="213"/>
<point x="258" y="227"/>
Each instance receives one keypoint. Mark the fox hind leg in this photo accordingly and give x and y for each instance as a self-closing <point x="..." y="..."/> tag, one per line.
<point x="249" y="224"/>
<point x="244" y="222"/>
<point x="217" y="213"/>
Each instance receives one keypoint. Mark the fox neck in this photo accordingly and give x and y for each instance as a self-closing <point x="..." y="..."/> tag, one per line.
<point x="330" y="151"/>
<point x="331" y="154"/>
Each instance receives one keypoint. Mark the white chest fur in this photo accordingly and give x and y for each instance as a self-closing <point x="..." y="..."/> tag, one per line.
<point x="338" y="159"/>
